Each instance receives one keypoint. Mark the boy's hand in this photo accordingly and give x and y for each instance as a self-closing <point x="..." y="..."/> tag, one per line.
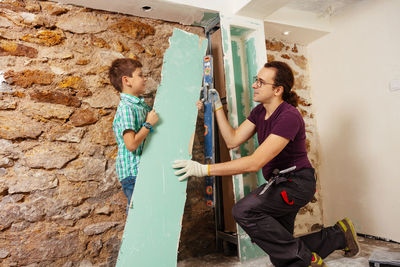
<point x="199" y="104"/>
<point x="189" y="168"/>
<point x="152" y="117"/>
<point x="216" y="99"/>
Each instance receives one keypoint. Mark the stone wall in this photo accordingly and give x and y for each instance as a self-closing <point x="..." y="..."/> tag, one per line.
<point x="309" y="217"/>
<point x="60" y="200"/>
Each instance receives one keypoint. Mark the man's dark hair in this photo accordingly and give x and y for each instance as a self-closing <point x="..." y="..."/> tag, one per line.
<point x="284" y="77"/>
<point x="122" y="67"/>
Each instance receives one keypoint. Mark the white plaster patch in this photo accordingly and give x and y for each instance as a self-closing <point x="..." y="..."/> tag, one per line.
<point x="4" y="87"/>
<point x="28" y="17"/>
<point x="57" y="70"/>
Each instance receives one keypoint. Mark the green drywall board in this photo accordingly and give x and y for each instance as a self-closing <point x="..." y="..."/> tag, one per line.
<point x="237" y="70"/>
<point x="153" y="226"/>
<point x="252" y="72"/>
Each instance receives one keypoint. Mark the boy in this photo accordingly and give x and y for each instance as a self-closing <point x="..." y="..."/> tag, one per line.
<point x="133" y="120"/>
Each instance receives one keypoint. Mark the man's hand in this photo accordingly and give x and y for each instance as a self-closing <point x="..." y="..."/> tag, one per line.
<point x="152" y="117"/>
<point x="189" y="168"/>
<point x="216" y="99"/>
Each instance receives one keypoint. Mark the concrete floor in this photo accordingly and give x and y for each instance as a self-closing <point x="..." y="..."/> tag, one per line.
<point x="368" y="246"/>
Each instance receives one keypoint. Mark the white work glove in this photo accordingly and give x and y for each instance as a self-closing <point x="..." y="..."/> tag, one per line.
<point x="189" y="168"/>
<point x="216" y="99"/>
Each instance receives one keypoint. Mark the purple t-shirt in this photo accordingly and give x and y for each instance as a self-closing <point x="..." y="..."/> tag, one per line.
<point x="287" y="122"/>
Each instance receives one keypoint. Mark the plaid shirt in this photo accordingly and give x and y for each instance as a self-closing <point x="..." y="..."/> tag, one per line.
<point x="131" y="114"/>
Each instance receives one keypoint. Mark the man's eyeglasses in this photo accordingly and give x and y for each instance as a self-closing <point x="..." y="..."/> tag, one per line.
<point x="260" y="82"/>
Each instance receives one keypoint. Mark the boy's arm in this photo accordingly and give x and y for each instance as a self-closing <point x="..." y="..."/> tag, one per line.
<point x="132" y="139"/>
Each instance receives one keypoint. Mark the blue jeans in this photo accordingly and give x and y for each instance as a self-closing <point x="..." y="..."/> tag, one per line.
<point x="128" y="184"/>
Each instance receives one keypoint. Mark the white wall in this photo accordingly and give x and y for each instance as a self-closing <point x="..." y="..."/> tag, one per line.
<point x="358" y="117"/>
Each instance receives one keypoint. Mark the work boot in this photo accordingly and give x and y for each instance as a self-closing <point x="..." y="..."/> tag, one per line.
<point x="352" y="246"/>
<point x="317" y="261"/>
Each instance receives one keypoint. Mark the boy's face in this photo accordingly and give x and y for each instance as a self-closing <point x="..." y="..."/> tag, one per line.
<point x="137" y="83"/>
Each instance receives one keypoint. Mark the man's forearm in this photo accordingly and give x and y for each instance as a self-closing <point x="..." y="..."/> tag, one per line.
<point x="237" y="166"/>
<point x="227" y="131"/>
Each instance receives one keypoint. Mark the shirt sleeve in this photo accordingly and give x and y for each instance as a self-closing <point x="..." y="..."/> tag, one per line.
<point x="287" y="126"/>
<point x="252" y="117"/>
<point x="129" y="119"/>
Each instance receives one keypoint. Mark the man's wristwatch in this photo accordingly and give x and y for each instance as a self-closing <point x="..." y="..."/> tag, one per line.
<point x="148" y="126"/>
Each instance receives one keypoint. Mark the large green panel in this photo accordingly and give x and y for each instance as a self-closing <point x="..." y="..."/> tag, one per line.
<point x="237" y="71"/>
<point x="152" y="230"/>
<point x="252" y="71"/>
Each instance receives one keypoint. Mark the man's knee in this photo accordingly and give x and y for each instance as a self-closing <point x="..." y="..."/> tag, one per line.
<point x="239" y="212"/>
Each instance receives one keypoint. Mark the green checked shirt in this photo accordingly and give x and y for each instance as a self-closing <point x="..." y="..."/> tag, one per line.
<point x="131" y="114"/>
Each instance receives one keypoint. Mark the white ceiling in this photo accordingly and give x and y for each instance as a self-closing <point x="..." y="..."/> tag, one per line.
<point x="320" y="7"/>
<point x="307" y="20"/>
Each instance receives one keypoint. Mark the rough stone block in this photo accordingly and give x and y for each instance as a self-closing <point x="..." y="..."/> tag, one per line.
<point x="4" y="253"/>
<point x="3" y="190"/>
<point x="50" y="156"/>
<point x="98" y="228"/>
<point x="45" y="37"/>
<point x="99" y="42"/>
<point x="103" y="99"/>
<point x="300" y="83"/>
<point x="67" y="134"/>
<point x="119" y="46"/>
<point x="9" y="215"/>
<point x="56" y="98"/>
<point x="106" y="210"/>
<point x="13" y="49"/>
<point x="76" y="83"/>
<point x="133" y="29"/>
<point x="304" y="102"/>
<point x="6" y="162"/>
<point x="46" y="246"/>
<point x="85" y="169"/>
<point x="82" y="22"/>
<point x="16" y="6"/>
<point x="53" y="8"/>
<point x="5" y="23"/>
<point x="72" y="82"/>
<point x="46" y="111"/>
<point x="29" y="77"/>
<point x="15" y="125"/>
<point x="74" y="214"/>
<point x="8" y="104"/>
<point x="84" y="117"/>
<point x="102" y="132"/>
<point x="274" y="45"/>
<point x="82" y="61"/>
<point x="300" y="61"/>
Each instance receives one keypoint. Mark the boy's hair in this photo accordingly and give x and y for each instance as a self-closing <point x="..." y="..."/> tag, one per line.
<point x="122" y="67"/>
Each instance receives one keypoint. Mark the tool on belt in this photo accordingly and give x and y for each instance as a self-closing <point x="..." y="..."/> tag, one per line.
<point x="277" y="178"/>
